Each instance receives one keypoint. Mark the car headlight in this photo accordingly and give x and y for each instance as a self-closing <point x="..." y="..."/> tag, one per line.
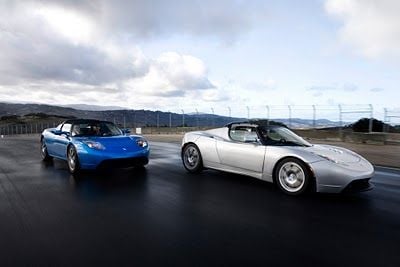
<point x="142" y="142"/>
<point x="94" y="145"/>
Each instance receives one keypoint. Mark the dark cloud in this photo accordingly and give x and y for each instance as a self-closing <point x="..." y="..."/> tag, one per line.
<point x="41" y="57"/>
<point x="32" y="51"/>
<point x="224" y="19"/>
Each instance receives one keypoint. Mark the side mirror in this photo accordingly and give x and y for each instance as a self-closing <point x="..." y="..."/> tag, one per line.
<point x="61" y="133"/>
<point x="126" y="131"/>
<point x="57" y="132"/>
<point x="66" y="134"/>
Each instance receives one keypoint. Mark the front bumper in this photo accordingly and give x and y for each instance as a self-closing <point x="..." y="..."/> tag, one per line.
<point x="123" y="163"/>
<point x="360" y="185"/>
<point x="94" y="159"/>
<point x="335" y="178"/>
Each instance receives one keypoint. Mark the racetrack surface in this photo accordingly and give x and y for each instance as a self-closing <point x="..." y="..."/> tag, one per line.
<point x="163" y="216"/>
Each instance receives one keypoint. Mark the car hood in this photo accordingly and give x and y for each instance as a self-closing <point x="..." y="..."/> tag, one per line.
<point x="337" y="154"/>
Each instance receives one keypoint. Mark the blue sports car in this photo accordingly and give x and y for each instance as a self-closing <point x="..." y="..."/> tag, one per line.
<point x="93" y="144"/>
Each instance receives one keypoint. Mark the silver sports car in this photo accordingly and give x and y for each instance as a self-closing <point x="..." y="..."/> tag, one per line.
<point x="276" y="154"/>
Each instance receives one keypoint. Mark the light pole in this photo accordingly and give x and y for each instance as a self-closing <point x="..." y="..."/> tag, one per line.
<point x="212" y="110"/>
<point x="340" y="122"/>
<point x="197" y="118"/>
<point x="183" y="118"/>
<point x="371" y="108"/>
<point x="230" y="112"/>
<point x="248" y="112"/>
<point x="314" y="116"/>
<point x="290" y="116"/>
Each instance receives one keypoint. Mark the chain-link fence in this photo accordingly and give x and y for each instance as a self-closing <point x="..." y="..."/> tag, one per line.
<point x="333" y="118"/>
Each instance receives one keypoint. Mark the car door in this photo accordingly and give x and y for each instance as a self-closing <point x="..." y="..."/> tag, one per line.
<point x="243" y="150"/>
<point x="61" y="141"/>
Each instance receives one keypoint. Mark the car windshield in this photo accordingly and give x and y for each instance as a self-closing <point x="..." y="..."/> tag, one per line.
<point x="95" y="129"/>
<point x="282" y="136"/>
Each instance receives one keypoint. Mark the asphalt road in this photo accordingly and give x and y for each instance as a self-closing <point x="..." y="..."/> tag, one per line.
<point x="165" y="217"/>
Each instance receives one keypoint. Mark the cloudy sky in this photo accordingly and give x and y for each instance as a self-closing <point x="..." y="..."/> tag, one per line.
<point x="178" y="54"/>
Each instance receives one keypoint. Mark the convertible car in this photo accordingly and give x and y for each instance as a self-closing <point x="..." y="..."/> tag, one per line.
<point x="93" y="144"/>
<point x="276" y="154"/>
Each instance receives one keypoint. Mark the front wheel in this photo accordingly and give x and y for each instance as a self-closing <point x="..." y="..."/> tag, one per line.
<point x="292" y="176"/>
<point x="43" y="152"/>
<point x="73" y="160"/>
<point x="191" y="159"/>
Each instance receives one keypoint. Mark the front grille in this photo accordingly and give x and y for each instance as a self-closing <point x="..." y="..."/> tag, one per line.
<point x="123" y="163"/>
<point x="358" y="186"/>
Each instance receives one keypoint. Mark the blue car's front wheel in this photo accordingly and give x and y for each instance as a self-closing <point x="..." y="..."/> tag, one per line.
<point x="43" y="151"/>
<point x="73" y="160"/>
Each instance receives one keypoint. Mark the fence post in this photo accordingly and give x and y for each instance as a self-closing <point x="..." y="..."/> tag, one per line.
<point x="197" y="118"/>
<point x="385" y="120"/>
<point x="212" y="121"/>
<point x="370" y="118"/>
<point x="340" y="122"/>
<point x="158" y="119"/>
<point x="314" y="116"/>
<point x="183" y="118"/>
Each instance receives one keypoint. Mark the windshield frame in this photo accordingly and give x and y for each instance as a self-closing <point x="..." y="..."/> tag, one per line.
<point x="288" y="137"/>
<point x="95" y="129"/>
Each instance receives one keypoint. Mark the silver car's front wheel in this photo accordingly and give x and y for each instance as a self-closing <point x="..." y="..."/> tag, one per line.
<point x="191" y="158"/>
<point x="73" y="161"/>
<point x="292" y="176"/>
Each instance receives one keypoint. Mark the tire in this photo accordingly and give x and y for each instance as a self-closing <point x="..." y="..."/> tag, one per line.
<point x="43" y="152"/>
<point x="73" y="160"/>
<point x="292" y="176"/>
<point x="191" y="158"/>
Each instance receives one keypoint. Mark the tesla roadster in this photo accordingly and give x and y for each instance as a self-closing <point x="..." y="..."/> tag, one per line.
<point x="93" y="144"/>
<point x="276" y="154"/>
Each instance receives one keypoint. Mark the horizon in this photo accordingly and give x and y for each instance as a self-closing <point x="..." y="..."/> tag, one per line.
<point x="347" y="119"/>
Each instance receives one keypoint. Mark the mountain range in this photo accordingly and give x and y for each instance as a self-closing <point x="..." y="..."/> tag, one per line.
<point x="133" y="118"/>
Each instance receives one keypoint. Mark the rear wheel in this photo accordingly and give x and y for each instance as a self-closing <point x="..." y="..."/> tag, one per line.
<point x="191" y="158"/>
<point x="73" y="160"/>
<point x="292" y="176"/>
<point x="43" y="152"/>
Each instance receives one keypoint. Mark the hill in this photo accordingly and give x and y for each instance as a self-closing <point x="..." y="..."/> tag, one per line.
<point x="24" y="113"/>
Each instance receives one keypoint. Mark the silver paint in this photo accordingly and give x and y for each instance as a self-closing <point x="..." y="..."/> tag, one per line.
<point x="333" y="167"/>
